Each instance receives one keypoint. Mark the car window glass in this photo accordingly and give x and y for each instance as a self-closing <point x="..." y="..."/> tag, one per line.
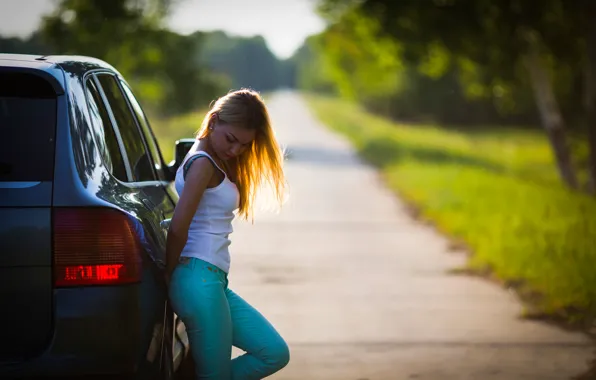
<point x="146" y="128"/>
<point x="104" y="132"/>
<point x="138" y="157"/>
<point x="27" y="127"/>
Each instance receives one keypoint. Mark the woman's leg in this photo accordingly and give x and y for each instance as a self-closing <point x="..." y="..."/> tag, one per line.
<point x="266" y="351"/>
<point x="197" y="293"/>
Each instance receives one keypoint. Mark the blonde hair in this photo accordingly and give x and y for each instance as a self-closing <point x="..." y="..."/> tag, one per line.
<point x="262" y="163"/>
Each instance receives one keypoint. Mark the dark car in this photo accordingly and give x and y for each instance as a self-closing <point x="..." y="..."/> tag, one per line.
<point x="84" y="193"/>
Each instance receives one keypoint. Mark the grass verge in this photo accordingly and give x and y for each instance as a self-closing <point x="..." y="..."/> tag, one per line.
<point x="168" y="130"/>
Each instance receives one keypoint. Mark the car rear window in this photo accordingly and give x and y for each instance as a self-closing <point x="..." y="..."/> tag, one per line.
<point x="27" y="127"/>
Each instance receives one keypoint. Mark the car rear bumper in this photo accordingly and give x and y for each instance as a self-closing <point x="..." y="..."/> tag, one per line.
<point x="97" y="331"/>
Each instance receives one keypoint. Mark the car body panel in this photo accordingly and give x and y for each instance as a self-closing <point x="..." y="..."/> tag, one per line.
<point x="90" y="330"/>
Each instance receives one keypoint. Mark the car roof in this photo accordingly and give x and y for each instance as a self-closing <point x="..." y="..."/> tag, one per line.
<point x="71" y="64"/>
<point x="56" y="66"/>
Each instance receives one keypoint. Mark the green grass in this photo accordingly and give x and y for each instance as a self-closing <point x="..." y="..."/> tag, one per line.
<point x="168" y="130"/>
<point x="497" y="191"/>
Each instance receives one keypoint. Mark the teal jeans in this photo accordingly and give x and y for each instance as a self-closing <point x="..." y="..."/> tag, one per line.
<point x="217" y="318"/>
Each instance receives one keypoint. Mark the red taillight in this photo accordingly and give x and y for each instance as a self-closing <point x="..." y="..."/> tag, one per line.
<point x="95" y="246"/>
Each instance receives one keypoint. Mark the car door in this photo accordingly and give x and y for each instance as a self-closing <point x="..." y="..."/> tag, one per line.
<point x="150" y="172"/>
<point x="166" y="207"/>
<point x="147" y="190"/>
<point x="145" y="172"/>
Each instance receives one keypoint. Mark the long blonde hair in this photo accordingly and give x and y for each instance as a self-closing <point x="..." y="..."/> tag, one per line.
<point x="262" y="163"/>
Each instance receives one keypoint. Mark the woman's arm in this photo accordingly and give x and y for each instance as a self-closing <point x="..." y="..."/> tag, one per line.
<point x="197" y="178"/>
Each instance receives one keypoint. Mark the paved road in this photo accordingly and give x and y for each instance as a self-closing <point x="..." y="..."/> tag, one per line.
<point x="361" y="291"/>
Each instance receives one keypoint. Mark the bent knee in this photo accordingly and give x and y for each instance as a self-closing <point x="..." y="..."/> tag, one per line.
<point x="278" y="354"/>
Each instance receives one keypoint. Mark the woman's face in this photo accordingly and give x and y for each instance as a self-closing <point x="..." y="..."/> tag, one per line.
<point x="229" y="141"/>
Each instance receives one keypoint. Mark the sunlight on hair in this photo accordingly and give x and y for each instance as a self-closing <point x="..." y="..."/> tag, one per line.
<point x="260" y="177"/>
<point x="266" y="199"/>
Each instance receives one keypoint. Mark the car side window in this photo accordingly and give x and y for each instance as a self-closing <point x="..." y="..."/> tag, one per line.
<point x="104" y="132"/>
<point x="146" y="129"/>
<point x="140" y="162"/>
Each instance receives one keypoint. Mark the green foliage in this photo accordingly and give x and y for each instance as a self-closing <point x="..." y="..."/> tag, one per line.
<point x="104" y="29"/>
<point x="170" y="73"/>
<point x="30" y="45"/>
<point x="169" y="129"/>
<point x="309" y="69"/>
<point x="352" y="59"/>
<point x="160" y="64"/>
<point x="244" y="61"/>
<point x="496" y="190"/>
<point x="187" y="84"/>
<point x="466" y="53"/>
<point x="366" y="64"/>
<point x="408" y="78"/>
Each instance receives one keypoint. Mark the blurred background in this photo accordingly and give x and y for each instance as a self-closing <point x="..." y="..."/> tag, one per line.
<point x="480" y="114"/>
<point x="178" y="55"/>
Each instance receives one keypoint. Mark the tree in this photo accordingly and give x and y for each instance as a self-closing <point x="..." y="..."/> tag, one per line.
<point x="30" y="45"/>
<point x="129" y="35"/>
<point x="246" y="61"/>
<point x="591" y="92"/>
<point x="499" y="36"/>
<point x="367" y="65"/>
<point x="309" y="68"/>
<point x="107" y="29"/>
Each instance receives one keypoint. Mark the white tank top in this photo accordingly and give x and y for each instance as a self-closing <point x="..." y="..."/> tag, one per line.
<point x="212" y="223"/>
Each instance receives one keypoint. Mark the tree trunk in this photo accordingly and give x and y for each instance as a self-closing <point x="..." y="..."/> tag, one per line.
<point x="552" y="121"/>
<point x="591" y="98"/>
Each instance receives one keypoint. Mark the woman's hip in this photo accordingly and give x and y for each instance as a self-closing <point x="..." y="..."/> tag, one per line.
<point x="197" y="284"/>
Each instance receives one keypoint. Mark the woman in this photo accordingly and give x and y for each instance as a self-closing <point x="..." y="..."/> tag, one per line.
<point x="235" y="153"/>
